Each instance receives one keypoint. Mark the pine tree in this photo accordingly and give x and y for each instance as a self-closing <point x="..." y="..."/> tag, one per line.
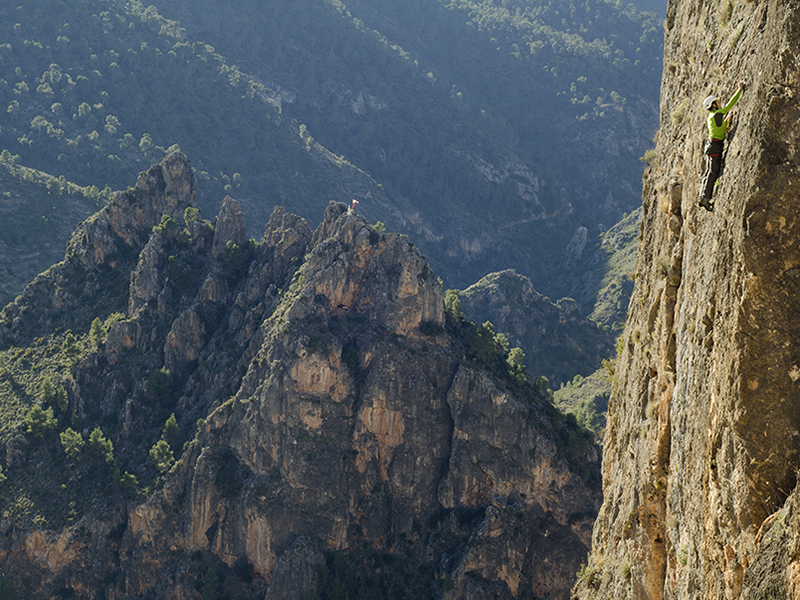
<point x="211" y="585"/>
<point x="101" y="445"/>
<point x="96" y="332"/>
<point x="171" y="433"/>
<point x="73" y="443"/>
<point x="162" y="456"/>
<point x="40" y="420"/>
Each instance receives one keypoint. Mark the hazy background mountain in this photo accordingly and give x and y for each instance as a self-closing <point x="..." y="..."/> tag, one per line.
<point x="38" y="213"/>
<point x="490" y="132"/>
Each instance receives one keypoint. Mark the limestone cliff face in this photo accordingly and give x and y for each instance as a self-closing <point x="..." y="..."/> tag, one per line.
<point x="326" y="408"/>
<point x="701" y="450"/>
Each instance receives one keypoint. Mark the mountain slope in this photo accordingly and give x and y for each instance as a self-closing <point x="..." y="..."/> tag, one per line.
<point x="95" y="90"/>
<point x="454" y="115"/>
<point x="273" y="414"/>
<point x="700" y="454"/>
<point x="559" y="342"/>
<point x="38" y="215"/>
<point x="459" y="110"/>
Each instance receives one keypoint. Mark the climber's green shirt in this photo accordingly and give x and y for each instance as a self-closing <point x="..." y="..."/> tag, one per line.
<point x="717" y="126"/>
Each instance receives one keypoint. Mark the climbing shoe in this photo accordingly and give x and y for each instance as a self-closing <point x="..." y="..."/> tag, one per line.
<point x="707" y="204"/>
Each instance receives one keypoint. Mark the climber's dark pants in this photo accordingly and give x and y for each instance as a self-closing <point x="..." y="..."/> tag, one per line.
<point x="716" y="163"/>
<point x="712" y="174"/>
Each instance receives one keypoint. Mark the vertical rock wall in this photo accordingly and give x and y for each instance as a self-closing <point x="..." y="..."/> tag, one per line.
<point x="703" y="442"/>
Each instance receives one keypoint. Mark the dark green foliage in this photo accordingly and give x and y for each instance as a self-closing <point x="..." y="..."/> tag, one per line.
<point x="40" y="421"/>
<point x="191" y="214"/>
<point x="159" y="386"/>
<point x="430" y="328"/>
<point x="235" y="260"/>
<point x="587" y="398"/>
<point x="48" y="391"/>
<point x="516" y="363"/>
<point x="96" y="332"/>
<point x="452" y="307"/>
<point x="171" y="432"/>
<point x="62" y="400"/>
<point x="100" y="446"/>
<point x="212" y="589"/>
<point x="167" y="226"/>
<point x="70" y="348"/>
<point x="54" y="396"/>
<point x="129" y="483"/>
<point x="481" y="342"/>
<point x="73" y="443"/>
<point x="6" y="591"/>
<point x="178" y="273"/>
<point x="162" y="456"/>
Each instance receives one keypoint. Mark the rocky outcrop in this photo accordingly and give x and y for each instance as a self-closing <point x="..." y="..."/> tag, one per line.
<point x="559" y="342"/>
<point x="700" y="456"/>
<point x="324" y="407"/>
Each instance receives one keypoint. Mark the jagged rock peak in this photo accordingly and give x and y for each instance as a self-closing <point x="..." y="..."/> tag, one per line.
<point x="230" y="226"/>
<point x="165" y="189"/>
<point x="318" y="413"/>
<point x="109" y="241"/>
<point x="287" y="234"/>
<point x="354" y="268"/>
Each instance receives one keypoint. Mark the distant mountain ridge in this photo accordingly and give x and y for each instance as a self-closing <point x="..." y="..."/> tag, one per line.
<point x="457" y="127"/>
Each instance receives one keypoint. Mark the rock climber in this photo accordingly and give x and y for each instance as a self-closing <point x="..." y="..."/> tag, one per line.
<point x="717" y="128"/>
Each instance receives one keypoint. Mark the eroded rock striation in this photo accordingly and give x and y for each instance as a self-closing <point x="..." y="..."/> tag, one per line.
<point x="701" y="456"/>
<point x="324" y="405"/>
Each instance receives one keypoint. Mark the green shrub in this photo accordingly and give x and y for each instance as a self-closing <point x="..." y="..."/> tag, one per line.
<point x="234" y="261"/>
<point x="96" y="333"/>
<point x="40" y="420"/>
<point x="167" y="225"/>
<point x="48" y="391"/>
<point x="191" y="214"/>
<point x="70" y="348"/>
<point x="6" y="593"/>
<point x="101" y="446"/>
<point x="452" y="306"/>
<point x="128" y="482"/>
<point x="162" y="456"/>
<point x="171" y="432"/>
<point x="212" y="589"/>
<point x="73" y="443"/>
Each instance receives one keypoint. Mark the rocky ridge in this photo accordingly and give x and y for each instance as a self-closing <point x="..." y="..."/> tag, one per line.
<point x="700" y="456"/>
<point x="559" y="340"/>
<point x="324" y="408"/>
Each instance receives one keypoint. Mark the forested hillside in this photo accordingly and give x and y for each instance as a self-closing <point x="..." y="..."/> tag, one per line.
<point x="489" y="132"/>
<point x="38" y="213"/>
